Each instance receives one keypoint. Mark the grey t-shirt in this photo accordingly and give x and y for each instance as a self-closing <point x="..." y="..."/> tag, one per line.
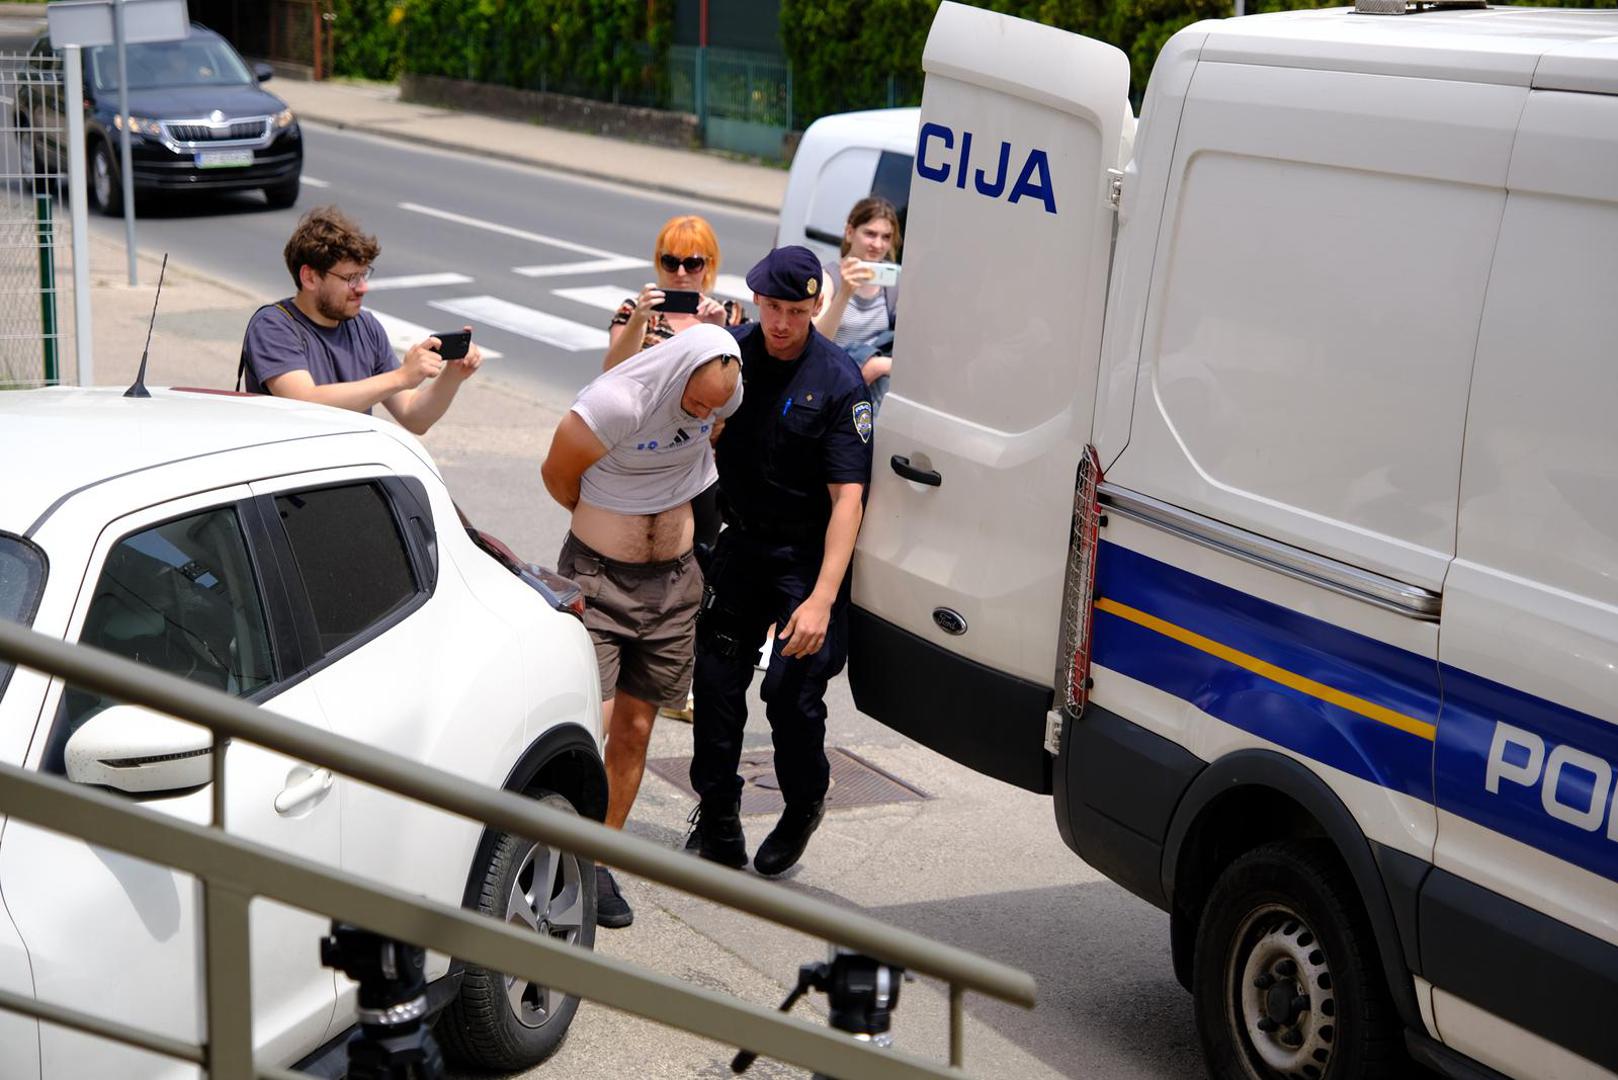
<point x="658" y="455"/>
<point x="280" y="338"/>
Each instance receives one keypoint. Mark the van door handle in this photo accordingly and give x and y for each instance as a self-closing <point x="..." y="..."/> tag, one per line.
<point x="902" y="466"/>
<point x="308" y="790"/>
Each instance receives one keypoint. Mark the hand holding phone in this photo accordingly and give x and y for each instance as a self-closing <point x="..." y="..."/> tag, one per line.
<point x="884" y="273"/>
<point x="452" y="344"/>
<point x="679" y="302"/>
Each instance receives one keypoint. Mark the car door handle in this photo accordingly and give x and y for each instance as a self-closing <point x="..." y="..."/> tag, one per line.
<point x="902" y="466"/>
<point x="305" y="791"/>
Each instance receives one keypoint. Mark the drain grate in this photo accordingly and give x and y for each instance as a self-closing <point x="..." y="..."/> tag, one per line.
<point x="854" y="781"/>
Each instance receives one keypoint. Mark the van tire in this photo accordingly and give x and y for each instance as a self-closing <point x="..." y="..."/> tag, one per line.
<point x="1282" y="941"/>
<point x="482" y="1026"/>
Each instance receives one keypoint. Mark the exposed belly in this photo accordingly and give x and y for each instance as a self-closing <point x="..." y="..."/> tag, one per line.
<point x="635" y="538"/>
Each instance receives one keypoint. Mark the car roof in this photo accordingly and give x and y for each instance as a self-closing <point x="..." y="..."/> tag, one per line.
<point x="75" y="438"/>
<point x="887" y="129"/>
<point x="1546" y="48"/>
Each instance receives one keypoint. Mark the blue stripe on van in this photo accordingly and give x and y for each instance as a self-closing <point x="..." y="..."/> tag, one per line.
<point x="1211" y="645"/>
<point x="1584" y="785"/>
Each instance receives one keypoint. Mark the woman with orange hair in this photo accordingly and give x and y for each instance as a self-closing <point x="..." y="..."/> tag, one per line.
<point x="686" y="257"/>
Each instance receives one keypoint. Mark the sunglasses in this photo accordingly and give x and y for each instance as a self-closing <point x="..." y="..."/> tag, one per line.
<point x="693" y="264"/>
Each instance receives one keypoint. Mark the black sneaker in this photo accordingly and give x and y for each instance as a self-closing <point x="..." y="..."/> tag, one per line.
<point x="612" y="910"/>
<point x="784" y="846"/>
<point x="716" y="834"/>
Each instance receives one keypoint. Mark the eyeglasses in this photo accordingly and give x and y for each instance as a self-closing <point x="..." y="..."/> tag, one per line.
<point x="693" y="264"/>
<point x="354" y="280"/>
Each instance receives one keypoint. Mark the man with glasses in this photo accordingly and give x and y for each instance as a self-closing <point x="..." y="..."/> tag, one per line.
<point x="318" y="345"/>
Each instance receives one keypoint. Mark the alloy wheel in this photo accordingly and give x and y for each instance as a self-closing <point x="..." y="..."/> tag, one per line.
<point x="547" y="897"/>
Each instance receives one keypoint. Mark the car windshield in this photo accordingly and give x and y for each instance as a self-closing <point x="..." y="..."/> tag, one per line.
<point x="22" y="577"/>
<point x="195" y="61"/>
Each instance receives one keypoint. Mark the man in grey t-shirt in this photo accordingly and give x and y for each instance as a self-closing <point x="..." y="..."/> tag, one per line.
<point x="626" y="461"/>
<point x="318" y="345"/>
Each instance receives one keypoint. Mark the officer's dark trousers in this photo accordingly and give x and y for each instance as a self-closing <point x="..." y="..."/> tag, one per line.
<point x="758" y="582"/>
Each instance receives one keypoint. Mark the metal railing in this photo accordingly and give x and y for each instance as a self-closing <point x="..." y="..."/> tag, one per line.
<point x="233" y="872"/>
<point x="33" y="105"/>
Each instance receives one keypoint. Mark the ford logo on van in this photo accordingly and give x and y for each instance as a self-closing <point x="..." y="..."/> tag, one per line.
<point x="936" y="161"/>
<point x="949" y="620"/>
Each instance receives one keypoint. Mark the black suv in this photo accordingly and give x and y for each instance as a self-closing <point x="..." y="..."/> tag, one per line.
<point x="199" y="122"/>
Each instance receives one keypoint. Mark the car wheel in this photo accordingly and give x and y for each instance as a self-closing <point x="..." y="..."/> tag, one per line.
<point x="1285" y="976"/>
<point x="510" y="1023"/>
<point x="106" y="189"/>
<point x="281" y="196"/>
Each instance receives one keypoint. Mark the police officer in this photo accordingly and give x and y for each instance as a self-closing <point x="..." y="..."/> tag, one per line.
<point x="794" y="462"/>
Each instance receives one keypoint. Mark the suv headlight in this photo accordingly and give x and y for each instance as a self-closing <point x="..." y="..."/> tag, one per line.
<point x="139" y="125"/>
<point x="283" y="119"/>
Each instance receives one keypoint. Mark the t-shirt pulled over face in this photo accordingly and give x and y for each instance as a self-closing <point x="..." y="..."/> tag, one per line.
<point x="658" y="455"/>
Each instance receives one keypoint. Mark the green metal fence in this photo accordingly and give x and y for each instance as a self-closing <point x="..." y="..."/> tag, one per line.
<point x="33" y="236"/>
<point x="742" y="99"/>
<point x="233" y="872"/>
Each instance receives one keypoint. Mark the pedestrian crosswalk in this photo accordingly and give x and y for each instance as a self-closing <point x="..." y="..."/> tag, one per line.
<point x="526" y="321"/>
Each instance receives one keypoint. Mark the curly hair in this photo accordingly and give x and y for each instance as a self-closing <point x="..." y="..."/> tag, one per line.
<point x="325" y="237"/>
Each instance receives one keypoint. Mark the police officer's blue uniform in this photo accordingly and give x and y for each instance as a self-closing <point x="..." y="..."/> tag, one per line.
<point x="803" y="424"/>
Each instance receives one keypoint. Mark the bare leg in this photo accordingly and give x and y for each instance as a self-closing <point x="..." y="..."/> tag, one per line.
<point x="629" y="731"/>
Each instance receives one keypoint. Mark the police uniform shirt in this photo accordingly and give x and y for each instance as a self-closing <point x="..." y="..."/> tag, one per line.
<point x="803" y="424"/>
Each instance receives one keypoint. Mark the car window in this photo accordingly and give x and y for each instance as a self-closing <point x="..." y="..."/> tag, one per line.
<point x="194" y="61"/>
<point x="892" y="182"/>
<point x="22" y="578"/>
<point x="181" y="597"/>
<point x="352" y="558"/>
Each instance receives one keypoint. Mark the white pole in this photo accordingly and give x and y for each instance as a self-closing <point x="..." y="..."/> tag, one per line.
<point x="73" y="72"/>
<point x="123" y="110"/>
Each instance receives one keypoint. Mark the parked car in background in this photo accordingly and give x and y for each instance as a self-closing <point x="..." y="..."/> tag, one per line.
<point x="199" y="121"/>
<point x="840" y="160"/>
<point x="309" y="560"/>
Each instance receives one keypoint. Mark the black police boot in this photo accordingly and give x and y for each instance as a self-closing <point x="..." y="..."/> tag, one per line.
<point x="716" y="833"/>
<point x="784" y="846"/>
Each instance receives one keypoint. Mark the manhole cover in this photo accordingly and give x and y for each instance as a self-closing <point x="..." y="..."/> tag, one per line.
<point x="854" y="781"/>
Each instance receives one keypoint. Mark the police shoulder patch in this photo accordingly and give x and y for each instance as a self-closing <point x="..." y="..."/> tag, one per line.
<point x="863" y="420"/>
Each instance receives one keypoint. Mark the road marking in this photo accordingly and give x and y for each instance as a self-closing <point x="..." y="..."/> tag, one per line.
<point x="594" y="266"/>
<point x="492" y="311"/>
<point x="402" y="334"/>
<point x="605" y="297"/>
<point x="312" y="182"/>
<point x="507" y="230"/>
<point x="734" y="286"/>
<point x="417" y="281"/>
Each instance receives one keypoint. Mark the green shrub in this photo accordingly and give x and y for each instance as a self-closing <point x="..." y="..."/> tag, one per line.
<point x="607" y="49"/>
<point x="366" y="37"/>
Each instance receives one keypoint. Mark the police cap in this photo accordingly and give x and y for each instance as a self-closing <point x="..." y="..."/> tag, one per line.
<point x="788" y="273"/>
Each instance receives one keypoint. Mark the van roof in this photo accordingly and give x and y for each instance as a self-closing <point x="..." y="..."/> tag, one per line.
<point x="1546" y="48"/>
<point x="886" y="129"/>
<point x="74" y="438"/>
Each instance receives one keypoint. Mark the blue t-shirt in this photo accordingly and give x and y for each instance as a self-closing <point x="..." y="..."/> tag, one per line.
<point x="280" y="338"/>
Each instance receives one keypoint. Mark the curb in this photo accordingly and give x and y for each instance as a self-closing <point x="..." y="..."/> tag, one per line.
<point x="584" y="172"/>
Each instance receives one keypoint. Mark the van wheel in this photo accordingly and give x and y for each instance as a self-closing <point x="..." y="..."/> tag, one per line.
<point x="1285" y="977"/>
<point x="508" y="1024"/>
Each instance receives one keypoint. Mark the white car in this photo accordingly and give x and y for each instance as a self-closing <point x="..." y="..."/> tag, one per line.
<point x="309" y="560"/>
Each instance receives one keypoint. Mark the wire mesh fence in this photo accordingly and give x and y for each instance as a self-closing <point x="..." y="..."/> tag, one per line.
<point x="33" y="227"/>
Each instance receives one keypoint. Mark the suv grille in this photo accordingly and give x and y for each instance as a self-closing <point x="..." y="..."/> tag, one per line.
<point x="233" y="130"/>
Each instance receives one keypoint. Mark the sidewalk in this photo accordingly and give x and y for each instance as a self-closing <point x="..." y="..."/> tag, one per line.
<point x="376" y="109"/>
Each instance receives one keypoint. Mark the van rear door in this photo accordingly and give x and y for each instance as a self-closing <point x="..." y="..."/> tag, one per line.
<point x="958" y="572"/>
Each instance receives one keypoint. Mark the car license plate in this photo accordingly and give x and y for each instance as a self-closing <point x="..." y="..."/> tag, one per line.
<point x="223" y="159"/>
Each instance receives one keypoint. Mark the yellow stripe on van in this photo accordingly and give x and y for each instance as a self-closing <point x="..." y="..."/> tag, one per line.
<point x="1269" y="671"/>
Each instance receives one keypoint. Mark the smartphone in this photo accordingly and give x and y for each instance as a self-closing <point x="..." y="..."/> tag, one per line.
<point x="453" y="343"/>
<point x="679" y="301"/>
<point x="885" y="273"/>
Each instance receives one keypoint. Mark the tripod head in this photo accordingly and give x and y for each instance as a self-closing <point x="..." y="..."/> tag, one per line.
<point x="394" y="1042"/>
<point x="862" y="993"/>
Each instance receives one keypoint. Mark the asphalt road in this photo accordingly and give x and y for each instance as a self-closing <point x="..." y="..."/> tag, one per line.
<point x="534" y="261"/>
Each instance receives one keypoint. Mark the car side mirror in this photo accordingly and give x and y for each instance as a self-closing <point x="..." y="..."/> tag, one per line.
<point x="135" y="750"/>
<point x="264" y="72"/>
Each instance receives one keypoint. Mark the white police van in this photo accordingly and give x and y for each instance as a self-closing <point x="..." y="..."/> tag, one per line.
<point x="1250" y="483"/>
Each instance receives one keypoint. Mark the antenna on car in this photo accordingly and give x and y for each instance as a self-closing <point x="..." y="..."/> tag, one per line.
<point x="139" y="388"/>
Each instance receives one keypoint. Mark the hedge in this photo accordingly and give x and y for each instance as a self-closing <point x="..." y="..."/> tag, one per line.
<point x="366" y="36"/>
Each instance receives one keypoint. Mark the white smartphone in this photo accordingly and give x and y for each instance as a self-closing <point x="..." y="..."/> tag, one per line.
<point x="884" y="273"/>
